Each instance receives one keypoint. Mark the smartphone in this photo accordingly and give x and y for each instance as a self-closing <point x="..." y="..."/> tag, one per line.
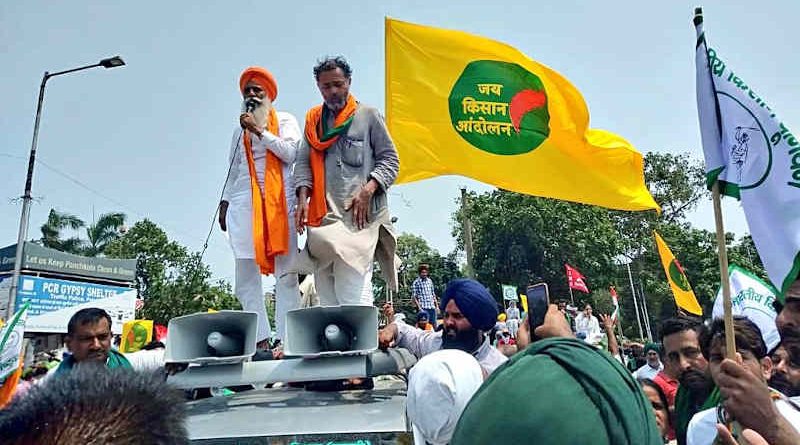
<point x="538" y="300"/>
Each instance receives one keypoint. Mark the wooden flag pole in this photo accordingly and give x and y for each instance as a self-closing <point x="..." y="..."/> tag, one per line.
<point x="730" y="339"/>
<point x="467" y="232"/>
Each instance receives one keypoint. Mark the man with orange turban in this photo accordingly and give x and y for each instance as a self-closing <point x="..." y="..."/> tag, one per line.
<point x="345" y="165"/>
<point x="257" y="207"/>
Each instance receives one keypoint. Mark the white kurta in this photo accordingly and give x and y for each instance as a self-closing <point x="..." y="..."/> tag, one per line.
<point x="240" y="223"/>
<point x="421" y="343"/>
<point x="702" y="428"/>
<point x="648" y="372"/>
<point x="237" y="187"/>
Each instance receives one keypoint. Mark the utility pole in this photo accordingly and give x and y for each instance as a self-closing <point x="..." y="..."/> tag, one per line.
<point x="466" y="229"/>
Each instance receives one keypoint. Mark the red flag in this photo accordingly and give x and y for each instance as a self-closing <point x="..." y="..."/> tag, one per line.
<point x="575" y="279"/>
<point x="161" y="332"/>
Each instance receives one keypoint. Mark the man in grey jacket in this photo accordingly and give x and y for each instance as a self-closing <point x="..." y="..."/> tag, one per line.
<point x="345" y="165"/>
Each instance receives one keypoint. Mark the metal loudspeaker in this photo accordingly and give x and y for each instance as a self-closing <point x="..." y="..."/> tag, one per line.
<point x="331" y="331"/>
<point x="212" y="338"/>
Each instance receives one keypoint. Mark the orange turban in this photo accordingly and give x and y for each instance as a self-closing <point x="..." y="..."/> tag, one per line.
<point x="262" y="77"/>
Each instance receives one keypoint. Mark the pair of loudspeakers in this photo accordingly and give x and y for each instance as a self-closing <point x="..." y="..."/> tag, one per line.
<point x="230" y="336"/>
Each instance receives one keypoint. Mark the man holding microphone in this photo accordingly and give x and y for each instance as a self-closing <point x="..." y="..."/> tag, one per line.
<point x="257" y="207"/>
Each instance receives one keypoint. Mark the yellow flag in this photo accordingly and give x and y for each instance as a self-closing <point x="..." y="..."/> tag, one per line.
<point x="461" y="104"/>
<point x="523" y="299"/>
<point x="684" y="295"/>
<point x="135" y="334"/>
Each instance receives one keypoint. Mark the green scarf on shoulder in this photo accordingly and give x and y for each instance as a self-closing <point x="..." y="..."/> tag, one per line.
<point x="684" y="410"/>
<point x="115" y="360"/>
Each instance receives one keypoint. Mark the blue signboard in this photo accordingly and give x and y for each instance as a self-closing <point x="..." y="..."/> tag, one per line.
<point x="53" y="302"/>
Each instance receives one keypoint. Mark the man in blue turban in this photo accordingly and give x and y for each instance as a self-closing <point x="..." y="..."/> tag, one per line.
<point x="469" y="312"/>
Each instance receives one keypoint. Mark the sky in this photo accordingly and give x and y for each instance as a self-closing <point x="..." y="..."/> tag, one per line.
<point x="151" y="139"/>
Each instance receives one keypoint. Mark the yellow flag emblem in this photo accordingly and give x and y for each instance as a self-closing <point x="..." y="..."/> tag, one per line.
<point x="681" y="289"/>
<point x="462" y="104"/>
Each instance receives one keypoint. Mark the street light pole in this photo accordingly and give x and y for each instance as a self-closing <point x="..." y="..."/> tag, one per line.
<point x="24" y="219"/>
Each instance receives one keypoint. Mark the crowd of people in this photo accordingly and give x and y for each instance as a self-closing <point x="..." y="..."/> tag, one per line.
<point x="563" y="388"/>
<point x="566" y="387"/>
<point x="483" y="375"/>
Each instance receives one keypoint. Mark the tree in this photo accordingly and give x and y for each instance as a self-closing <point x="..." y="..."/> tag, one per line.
<point x="414" y="250"/>
<point x="520" y="240"/>
<point x="52" y="230"/>
<point x="171" y="280"/>
<point x="101" y="233"/>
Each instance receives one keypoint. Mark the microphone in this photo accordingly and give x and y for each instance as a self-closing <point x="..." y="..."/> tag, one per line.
<point x="251" y="104"/>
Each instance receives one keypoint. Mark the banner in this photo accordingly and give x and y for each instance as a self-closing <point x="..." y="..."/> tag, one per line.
<point x="753" y="298"/>
<point x="676" y="276"/>
<point x="53" y="302"/>
<point x="755" y="158"/>
<point x="509" y="292"/>
<point x="457" y="103"/>
<point x="576" y="280"/>
<point x="135" y="334"/>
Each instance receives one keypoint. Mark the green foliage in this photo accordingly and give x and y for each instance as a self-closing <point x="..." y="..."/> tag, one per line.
<point x="52" y="231"/>
<point x="105" y="230"/>
<point x="171" y="280"/>
<point x="520" y="239"/>
<point x="99" y="234"/>
<point x="413" y="250"/>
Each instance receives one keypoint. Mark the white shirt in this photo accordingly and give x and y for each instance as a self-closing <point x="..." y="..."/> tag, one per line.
<point x="648" y="372"/>
<point x="237" y="185"/>
<point x="588" y="325"/>
<point x="146" y="360"/>
<point x="703" y="426"/>
<point x="421" y="343"/>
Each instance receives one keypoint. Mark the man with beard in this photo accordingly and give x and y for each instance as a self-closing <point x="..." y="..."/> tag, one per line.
<point x="767" y="412"/>
<point x="786" y="369"/>
<point x="788" y="320"/>
<point x="89" y="341"/>
<point x="257" y="207"/>
<point x="345" y="166"/>
<point x="680" y="338"/>
<point x="653" y="365"/>
<point x="469" y="312"/>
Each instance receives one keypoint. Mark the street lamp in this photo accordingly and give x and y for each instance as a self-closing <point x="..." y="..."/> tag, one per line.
<point x="111" y="62"/>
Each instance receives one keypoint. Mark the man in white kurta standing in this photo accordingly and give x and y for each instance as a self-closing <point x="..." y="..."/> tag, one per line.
<point x="257" y="207"/>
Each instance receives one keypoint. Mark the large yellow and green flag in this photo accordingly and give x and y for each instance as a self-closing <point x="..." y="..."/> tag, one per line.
<point x="681" y="289"/>
<point x="461" y="104"/>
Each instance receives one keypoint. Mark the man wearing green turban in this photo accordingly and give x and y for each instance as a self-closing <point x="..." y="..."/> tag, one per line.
<point x="653" y="366"/>
<point x="564" y="392"/>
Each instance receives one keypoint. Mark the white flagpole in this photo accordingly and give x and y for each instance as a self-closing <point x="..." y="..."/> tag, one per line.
<point x="635" y="303"/>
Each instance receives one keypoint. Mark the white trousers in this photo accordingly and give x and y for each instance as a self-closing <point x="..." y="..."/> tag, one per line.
<point x="339" y="284"/>
<point x="251" y="295"/>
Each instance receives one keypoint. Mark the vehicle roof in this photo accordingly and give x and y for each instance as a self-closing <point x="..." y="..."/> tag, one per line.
<point x="294" y="411"/>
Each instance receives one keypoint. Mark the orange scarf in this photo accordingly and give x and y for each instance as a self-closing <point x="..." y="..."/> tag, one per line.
<point x="320" y="138"/>
<point x="270" y="218"/>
